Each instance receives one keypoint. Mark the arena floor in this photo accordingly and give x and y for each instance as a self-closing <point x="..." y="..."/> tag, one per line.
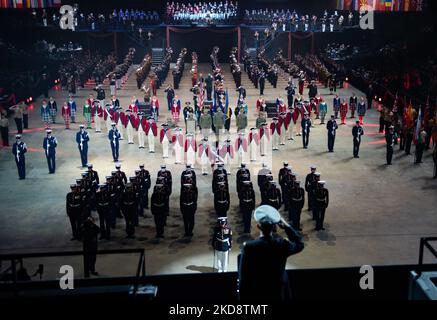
<point x="376" y="216"/>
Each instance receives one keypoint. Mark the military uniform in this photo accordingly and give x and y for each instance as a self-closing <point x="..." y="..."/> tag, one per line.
<point x="306" y="127"/>
<point x="49" y="144"/>
<point x="103" y="210"/>
<point x="357" y="132"/>
<point x="321" y="202"/>
<point x="188" y="205"/>
<point x="246" y="195"/>
<point x="296" y="201"/>
<point x="309" y="182"/>
<point x="221" y="199"/>
<point x="144" y="176"/>
<point x="222" y="244"/>
<point x="159" y="209"/>
<point x="273" y="196"/>
<point x="282" y="180"/>
<point x="90" y="244"/>
<point x="129" y="207"/>
<point x="332" y="127"/>
<point x="114" y="137"/>
<point x="390" y="140"/>
<point x="267" y="256"/>
<point x="74" y="210"/>
<point x="82" y="139"/>
<point x="19" y="148"/>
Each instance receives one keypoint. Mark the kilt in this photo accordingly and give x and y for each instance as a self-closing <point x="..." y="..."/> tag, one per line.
<point x="73" y="113"/>
<point x="46" y="117"/>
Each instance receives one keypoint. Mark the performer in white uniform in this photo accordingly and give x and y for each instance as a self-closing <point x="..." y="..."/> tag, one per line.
<point x="253" y="143"/>
<point x="178" y="145"/>
<point x="227" y="154"/>
<point x="151" y="133"/>
<point x="241" y="147"/>
<point x="130" y="123"/>
<point x="141" y="127"/>
<point x="264" y="137"/>
<point x="165" y="138"/>
<point x="204" y="155"/>
<point x="190" y="149"/>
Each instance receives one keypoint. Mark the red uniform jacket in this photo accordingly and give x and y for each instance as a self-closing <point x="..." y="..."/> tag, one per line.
<point x="241" y="142"/>
<point x="153" y="127"/>
<point x="106" y="113"/>
<point x="118" y="115"/>
<point x="176" y="107"/>
<point x="66" y="111"/>
<point x="275" y="126"/>
<point x="154" y="102"/>
<point x="259" y="103"/>
<point x="192" y="143"/>
<point x="130" y="118"/>
<point x="97" y="108"/>
<point x="142" y="123"/>
<point x="263" y="132"/>
<point x="253" y="136"/>
<point x="134" y="108"/>
<point x="343" y="109"/>
<point x="284" y="121"/>
<point x="282" y="108"/>
<point x="165" y="132"/>
<point x="202" y="148"/>
<point x="227" y="149"/>
<point x="178" y="139"/>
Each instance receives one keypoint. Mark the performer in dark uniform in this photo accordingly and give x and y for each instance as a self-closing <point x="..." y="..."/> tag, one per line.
<point x="296" y="199"/>
<point x="309" y="181"/>
<point x="221" y="199"/>
<point x="241" y="171"/>
<point x="159" y="208"/>
<point x="332" y="127"/>
<point x="129" y="207"/>
<point x="222" y="244"/>
<point x="166" y="174"/>
<point x="262" y="81"/>
<point x="267" y="256"/>
<point x="390" y="137"/>
<point x="19" y="148"/>
<point x="144" y="176"/>
<point x="357" y="132"/>
<point x="283" y="173"/>
<point x="188" y="204"/>
<point x="273" y="196"/>
<point x="74" y="210"/>
<point x="321" y="202"/>
<point x="49" y="144"/>
<point x="103" y="210"/>
<point x="306" y="128"/>
<point x="189" y="170"/>
<point x="114" y="136"/>
<point x="247" y="203"/>
<point x="82" y="139"/>
<point x="90" y="245"/>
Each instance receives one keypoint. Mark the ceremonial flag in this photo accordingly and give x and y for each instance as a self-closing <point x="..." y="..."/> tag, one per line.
<point x="228" y="110"/>
<point x="409" y="115"/>
<point x="418" y="126"/>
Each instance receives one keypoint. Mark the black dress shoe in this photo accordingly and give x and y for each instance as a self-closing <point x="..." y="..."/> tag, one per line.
<point x="94" y="273"/>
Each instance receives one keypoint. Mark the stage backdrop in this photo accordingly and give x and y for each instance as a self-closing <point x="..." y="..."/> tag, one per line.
<point x="202" y="40"/>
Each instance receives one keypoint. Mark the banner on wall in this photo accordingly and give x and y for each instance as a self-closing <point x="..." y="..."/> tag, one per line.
<point x="29" y="4"/>
<point x="382" y="5"/>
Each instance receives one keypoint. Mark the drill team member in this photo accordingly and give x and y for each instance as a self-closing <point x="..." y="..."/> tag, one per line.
<point x="74" y="210"/>
<point x="321" y="202"/>
<point x="222" y="244"/>
<point x="296" y="197"/>
<point x="19" y="148"/>
<point x="357" y="132"/>
<point x="188" y="205"/>
<point x="103" y="210"/>
<point x="49" y="144"/>
<point x="114" y="136"/>
<point x="82" y="139"/>
<point x="332" y="127"/>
